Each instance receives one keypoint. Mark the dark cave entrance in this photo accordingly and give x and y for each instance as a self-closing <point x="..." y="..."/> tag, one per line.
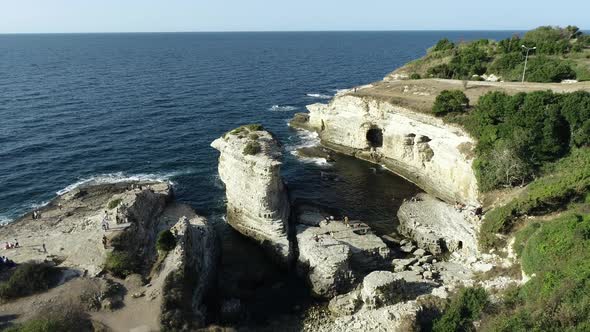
<point x="375" y="137"/>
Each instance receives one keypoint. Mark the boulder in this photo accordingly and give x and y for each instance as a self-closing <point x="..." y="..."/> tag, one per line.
<point x="382" y="288"/>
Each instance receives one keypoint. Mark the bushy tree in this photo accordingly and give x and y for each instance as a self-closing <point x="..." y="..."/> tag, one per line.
<point x="166" y="241"/>
<point x="440" y="71"/>
<point x="546" y="70"/>
<point x="470" y="60"/>
<point x="444" y="45"/>
<point x="449" y="101"/>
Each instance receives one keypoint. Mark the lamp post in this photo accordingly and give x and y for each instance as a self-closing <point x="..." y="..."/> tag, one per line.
<point x="526" y="58"/>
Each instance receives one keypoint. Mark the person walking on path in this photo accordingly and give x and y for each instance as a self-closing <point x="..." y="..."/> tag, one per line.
<point x="44" y="248"/>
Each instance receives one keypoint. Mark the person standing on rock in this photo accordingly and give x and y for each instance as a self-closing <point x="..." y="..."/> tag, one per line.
<point x="44" y="248"/>
<point x="105" y="221"/>
<point x="346" y="221"/>
<point x="104" y="241"/>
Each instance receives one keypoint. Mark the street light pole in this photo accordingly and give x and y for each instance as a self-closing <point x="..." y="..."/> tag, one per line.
<point x="526" y="59"/>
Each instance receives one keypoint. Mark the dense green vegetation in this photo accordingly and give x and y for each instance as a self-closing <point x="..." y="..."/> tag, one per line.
<point x="517" y="135"/>
<point x="560" y="54"/>
<point x="166" y="241"/>
<point x="567" y="180"/>
<point x="557" y="298"/>
<point x="464" y="308"/>
<point x="27" y="279"/>
<point x="450" y="101"/>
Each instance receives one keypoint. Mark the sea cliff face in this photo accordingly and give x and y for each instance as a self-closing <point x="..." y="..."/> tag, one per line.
<point x="436" y="156"/>
<point x="257" y="200"/>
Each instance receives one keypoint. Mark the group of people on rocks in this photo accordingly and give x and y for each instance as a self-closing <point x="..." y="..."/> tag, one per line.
<point x="36" y="215"/>
<point x="11" y="245"/>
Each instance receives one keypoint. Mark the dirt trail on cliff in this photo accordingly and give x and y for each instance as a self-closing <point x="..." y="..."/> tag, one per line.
<point x="419" y="95"/>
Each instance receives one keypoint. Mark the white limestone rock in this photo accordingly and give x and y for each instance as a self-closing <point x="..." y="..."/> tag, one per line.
<point x="420" y="147"/>
<point x="437" y="226"/>
<point x="194" y="259"/>
<point x="381" y="288"/>
<point x="332" y="255"/>
<point x="257" y="199"/>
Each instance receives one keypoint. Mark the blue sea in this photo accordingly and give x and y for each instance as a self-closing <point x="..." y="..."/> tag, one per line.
<point x="84" y="108"/>
<point x="105" y="107"/>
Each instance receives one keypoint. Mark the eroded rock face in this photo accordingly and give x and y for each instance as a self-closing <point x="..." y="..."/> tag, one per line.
<point x="434" y="155"/>
<point x="438" y="227"/>
<point x="257" y="200"/>
<point x="192" y="262"/>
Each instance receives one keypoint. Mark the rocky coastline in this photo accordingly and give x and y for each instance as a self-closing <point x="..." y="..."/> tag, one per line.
<point x="81" y="231"/>
<point x="362" y="280"/>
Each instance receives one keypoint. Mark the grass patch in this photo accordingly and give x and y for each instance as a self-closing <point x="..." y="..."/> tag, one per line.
<point x="245" y="129"/>
<point x="114" y="203"/>
<point x="29" y="278"/>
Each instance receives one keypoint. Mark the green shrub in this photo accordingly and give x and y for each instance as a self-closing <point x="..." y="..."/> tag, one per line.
<point x="544" y="69"/>
<point x="121" y="263"/>
<point x="443" y="45"/>
<point x="464" y="308"/>
<point x="29" y="278"/>
<point x="415" y="76"/>
<point x="114" y="203"/>
<point x="253" y="136"/>
<point x="166" y="241"/>
<point x="252" y="148"/>
<point x="449" y="101"/>
<point x="440" y="71"/>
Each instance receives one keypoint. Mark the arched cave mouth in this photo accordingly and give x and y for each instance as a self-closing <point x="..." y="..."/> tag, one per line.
<point x="375" y="137"/>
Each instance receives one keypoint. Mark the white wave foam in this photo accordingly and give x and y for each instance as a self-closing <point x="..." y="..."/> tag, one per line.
<point x="4" y="220"/>
<point x="319" y="96"/>
<point x="311" y="160"/>
<point x="117" y="178"/>
<point x="306" y="139"/>
<point x="279" y="108"/>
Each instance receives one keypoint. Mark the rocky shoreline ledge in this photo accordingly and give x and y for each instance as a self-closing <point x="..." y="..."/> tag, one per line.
<point x="103" y="241"/>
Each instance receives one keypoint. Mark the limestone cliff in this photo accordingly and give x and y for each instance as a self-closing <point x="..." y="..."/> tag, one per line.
<point x="436" y="156"/>
<point x="257" y="199"/>
<point x="190" y="268"/>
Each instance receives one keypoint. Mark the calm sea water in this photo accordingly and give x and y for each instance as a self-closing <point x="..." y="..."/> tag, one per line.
<point x="104" y="107"/>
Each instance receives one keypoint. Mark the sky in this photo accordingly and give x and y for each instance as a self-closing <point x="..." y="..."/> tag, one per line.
<point x="58" y="16"/>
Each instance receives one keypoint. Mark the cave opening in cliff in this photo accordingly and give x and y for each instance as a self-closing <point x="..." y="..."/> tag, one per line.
<point x="375" y="137"/>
